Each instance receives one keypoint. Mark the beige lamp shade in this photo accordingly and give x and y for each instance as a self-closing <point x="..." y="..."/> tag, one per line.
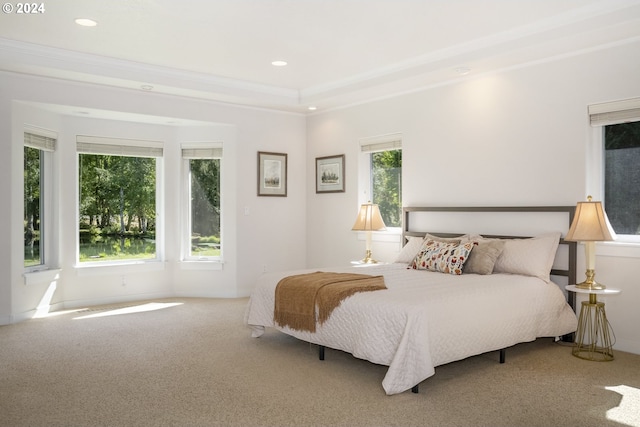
<point x="369" y="219"/>
<point x="590" y="224"/>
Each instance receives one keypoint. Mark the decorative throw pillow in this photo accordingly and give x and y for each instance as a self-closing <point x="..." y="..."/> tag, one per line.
<point x="529" y="257"/>
<point x="414" y="243"/>
<point x="483" y="257"/>
<point x="409" y="250"/>
<point x="444" y="257"/>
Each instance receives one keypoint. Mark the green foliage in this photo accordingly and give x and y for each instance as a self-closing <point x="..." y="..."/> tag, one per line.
<point x="117" y="191"/>
<point x="205" y="196"/>
<point x="118" y="206"/>
<point x="117" y="198"/>
<point x="31" y="217"/>
<point x="207" y="239"/>
<point x="116" y="248"/>
<point x="387" y="185"/>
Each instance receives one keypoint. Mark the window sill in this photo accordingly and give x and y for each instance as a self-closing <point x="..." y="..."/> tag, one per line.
<point x="392" y="235"/>
<point x="105" y="269"/>
<point x="41" y="276"/>
<point x="618" y="249"/>
<point x="212" y="265"/>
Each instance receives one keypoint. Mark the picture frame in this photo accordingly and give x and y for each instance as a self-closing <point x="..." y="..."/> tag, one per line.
<point x="272" y="174"/>
<point x="330" y="174"/>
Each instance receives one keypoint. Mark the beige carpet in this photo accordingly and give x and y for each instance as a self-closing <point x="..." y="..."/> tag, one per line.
<point x="194" y="364"/>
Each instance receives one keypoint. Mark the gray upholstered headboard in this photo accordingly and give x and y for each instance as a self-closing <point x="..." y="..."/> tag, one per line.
<point x="568" y="270"/>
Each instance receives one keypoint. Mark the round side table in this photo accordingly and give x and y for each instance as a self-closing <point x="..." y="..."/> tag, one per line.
<point x="593" y="337"/>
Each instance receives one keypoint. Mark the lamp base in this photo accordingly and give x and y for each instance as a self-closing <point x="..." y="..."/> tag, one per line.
<point x="590" y="282"/>
<point x="367" y="258"/>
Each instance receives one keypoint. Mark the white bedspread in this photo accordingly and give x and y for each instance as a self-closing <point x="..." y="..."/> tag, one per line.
<point x="425" y="319"/>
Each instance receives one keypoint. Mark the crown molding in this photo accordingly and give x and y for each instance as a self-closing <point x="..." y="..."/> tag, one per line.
<point x="593" y="26"/>
<point x="543" y="31"/>
<point x="54" y="62"/>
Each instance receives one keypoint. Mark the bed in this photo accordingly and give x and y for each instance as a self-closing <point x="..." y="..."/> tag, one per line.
<point x="428" y="315"/>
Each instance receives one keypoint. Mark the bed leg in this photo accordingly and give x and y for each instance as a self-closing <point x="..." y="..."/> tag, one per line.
<point x="503" y="355"/>
<point x="414" y="389"/>
<point x="321" y="352"/>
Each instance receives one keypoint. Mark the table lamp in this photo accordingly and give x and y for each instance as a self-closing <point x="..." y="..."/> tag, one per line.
<point x="590" y="225"/>
<point x="369" y="219"/>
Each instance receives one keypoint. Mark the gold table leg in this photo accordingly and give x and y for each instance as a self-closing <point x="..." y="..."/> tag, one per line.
<point x="593" y="337"/>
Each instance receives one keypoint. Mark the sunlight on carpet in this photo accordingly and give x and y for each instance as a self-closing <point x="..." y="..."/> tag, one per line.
<point x="152" y="306"/>
<point x="628" y="412"/>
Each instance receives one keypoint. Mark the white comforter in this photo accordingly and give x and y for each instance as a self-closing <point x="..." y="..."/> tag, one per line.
<point x="425" y="319"/>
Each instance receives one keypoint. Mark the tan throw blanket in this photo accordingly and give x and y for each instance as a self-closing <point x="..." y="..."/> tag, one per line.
<point x="297" y="296"/>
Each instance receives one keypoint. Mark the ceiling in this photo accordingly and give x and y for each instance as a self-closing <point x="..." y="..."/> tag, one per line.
<point x="339" y="52"/>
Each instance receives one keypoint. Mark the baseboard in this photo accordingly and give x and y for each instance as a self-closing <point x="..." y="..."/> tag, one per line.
<point x="81" y="303"/>
<point x="5" y="319"/>
<point x="90" y="302"/>
<point x="627" y="346"/>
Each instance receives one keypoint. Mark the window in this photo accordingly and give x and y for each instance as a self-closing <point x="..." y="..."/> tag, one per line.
<point x="202" y="166"/>
<point x="619" y="126"/>
<point x="384" y="165"/>
<point x="118" y="200"/>
<point x="37" y="172"/>
<point x="622" y="177"/>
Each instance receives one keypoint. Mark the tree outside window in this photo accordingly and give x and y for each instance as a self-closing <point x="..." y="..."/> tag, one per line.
<point x="33" y="180"/>
<point x="38" y="167"/>
<point x="204" y="197"/>
<point x="117" y="207"/>
<point x="386" y="183"/>
<point x="622" y="177"/>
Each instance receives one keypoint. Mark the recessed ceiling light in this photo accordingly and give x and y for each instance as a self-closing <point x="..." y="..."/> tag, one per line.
<point x="312" y="108"/>
<point x="85" y="22"/>
<point x="279" y="63"/>
<point x="463" y="71"/>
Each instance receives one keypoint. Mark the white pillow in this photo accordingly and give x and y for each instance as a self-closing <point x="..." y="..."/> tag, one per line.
<point x="529" y="257"/>
<point x="410" y="249"/>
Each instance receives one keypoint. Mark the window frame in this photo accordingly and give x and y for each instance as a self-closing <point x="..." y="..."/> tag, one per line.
<point x="190" y="151"/>
<point x="128" y="148"/>
<point x="386" y="142"/>
<point x="45" y="141"/>
<point x="600" y="116"/>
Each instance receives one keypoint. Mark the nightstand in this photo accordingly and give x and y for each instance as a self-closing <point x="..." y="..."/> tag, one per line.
<point x="593" y="337"/>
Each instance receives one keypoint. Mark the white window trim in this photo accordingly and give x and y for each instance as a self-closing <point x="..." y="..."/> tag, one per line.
<point x="133" y="148"/>
<point x="600" y="115"/>
<point x="192" y="150"/>
<point x="118" y="268"/>
<point x="50" y="239"/>
<point x="366" y="146"/>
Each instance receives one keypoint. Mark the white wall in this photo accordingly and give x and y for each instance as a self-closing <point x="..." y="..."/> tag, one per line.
<point x="270" y="236"/>
<point x="518" y="137"/>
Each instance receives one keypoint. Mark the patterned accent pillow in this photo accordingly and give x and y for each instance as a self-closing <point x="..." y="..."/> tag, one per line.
<point x="444" y="257"/>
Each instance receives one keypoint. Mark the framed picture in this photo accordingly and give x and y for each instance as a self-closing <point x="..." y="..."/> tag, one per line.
<point x="272" y="174"/>
<point x="330" y="174"/>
